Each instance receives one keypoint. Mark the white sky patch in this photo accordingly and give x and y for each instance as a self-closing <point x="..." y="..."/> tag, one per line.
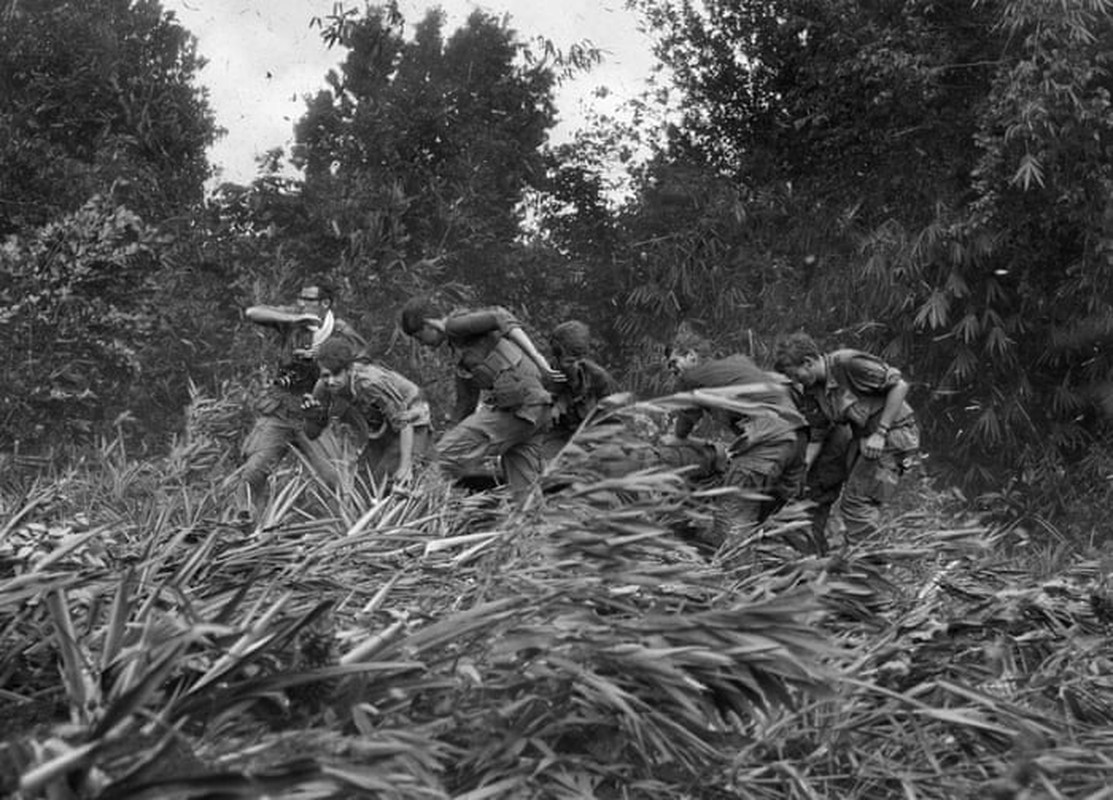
<point x="264" y="59"/>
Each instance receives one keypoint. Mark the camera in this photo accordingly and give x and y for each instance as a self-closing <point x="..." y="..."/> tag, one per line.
<point x="298" y="376"/>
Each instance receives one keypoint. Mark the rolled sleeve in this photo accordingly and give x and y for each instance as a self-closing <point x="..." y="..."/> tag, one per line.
<point x="396" y="397"/>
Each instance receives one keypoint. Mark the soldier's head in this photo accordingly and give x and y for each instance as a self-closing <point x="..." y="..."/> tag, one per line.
<point x="687" y="350"/>
<point x="316" y="297"/>
<point x="570" y="342"/>
<point x="799" y="357"/>
<point x="334" y="358"/>
<point x="421" y="320"/>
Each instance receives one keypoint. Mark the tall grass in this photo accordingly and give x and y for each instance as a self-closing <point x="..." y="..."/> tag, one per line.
<point x="430" y="643"/>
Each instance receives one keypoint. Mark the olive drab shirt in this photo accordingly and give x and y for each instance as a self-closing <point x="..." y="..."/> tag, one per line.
<point x="380" y="396"/>
<point x="783" y="420"/>
<point x="490" y="367"/>
<point x="855" y="392"/>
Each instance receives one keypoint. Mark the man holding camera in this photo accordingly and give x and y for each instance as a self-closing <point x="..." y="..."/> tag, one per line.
<point x="280" y="425"/>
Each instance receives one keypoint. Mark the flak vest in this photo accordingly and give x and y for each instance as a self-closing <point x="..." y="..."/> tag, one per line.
<point x="509" y="379"/>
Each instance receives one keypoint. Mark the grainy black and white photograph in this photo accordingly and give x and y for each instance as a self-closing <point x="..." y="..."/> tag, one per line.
<point x="522" y="400"/>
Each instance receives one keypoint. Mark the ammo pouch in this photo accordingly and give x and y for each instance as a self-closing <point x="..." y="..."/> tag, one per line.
<point x="504" y="356"/>
<point x="509" y="390"/>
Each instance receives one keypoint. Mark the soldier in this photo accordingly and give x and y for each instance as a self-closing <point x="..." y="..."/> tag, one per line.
<point x="586" y="383"/>
<point x="389" y="410"/>
<point x="300" y="330"/>
<point x="864" y="392"/>
<point x="826" y="460"/>
<point x="766" y="451"/>
<point x="501" y="402"/>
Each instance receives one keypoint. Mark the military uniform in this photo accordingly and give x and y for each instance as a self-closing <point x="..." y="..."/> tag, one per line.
<point x="380" y="404"/>
<point x="575" y="400"/>
<point x="501" y="402"/>
<point x="767" y="450"/>
<point x="854" y="393"/>
<point x="830" y="467"/>
<point x="280" y="424"/>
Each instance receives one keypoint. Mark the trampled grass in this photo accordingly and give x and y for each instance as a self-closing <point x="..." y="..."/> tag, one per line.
<point x="437" y="644"/>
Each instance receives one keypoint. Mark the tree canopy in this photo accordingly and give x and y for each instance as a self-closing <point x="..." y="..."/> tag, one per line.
<point x="928" y="179"/>
<point x="94" y="97"/>
<point x="426" y="146"/>
<point x="103" y="132"/>
<point x="941" y="171"/>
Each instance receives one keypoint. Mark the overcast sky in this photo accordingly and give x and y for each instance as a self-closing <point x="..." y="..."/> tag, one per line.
<point x="264" y="58"/>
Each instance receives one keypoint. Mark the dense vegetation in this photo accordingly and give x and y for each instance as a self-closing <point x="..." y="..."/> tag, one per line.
<point x="930" y="180"/>
<point x="437" y="645"/>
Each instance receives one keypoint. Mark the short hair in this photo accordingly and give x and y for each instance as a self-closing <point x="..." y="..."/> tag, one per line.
<point x="793" y="350"/>
<point x="336" y="353"/>
<point x="571" y="338"/>
<point x="416" y="311"/>
<point x="688" y="340"/>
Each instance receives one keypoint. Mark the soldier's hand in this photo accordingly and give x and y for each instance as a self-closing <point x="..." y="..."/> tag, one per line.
<point x="555" y="375"/>
<point x="310" y="403"/>
<point x="873" y="445"/>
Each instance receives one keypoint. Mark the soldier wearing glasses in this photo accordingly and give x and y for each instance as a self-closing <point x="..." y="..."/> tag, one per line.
<point x="280" y="425"/>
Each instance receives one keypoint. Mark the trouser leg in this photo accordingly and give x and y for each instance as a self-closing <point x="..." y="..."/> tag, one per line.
<point x="825" y="480"/>
<point x="263" y="449"/>
<point x="871" y="484"/>
<point x="490" y="431"/>
<point x="522" y="462"/>
<point x="381" y="455"/>
<point x="423" y="451"/>
<point x="761" y="474"/>
<point x="820" y="514"/>
<point x="324" y="455"/>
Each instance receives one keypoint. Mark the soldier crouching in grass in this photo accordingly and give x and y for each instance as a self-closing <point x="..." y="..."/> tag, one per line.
<point x="767" y="447"/>
<point x="502" y="404"/>
<point x="586" y="383"/>
<point x="388" y="410"/>
<point x="299" y="329"/>
<point x="864" y="392"/>
<point x="826" y="458"/>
